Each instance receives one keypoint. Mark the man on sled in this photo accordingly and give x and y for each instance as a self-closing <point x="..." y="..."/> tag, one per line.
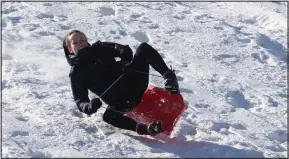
<point x="120" y="84"/>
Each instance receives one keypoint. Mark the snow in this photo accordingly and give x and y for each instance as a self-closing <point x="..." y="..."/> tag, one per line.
<point x="230" y="59"/>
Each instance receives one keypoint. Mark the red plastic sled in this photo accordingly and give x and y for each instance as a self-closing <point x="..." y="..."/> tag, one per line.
<point x="158" y="104"/>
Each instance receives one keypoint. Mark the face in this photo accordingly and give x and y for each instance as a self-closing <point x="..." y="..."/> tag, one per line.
<point x="77" y="41"/>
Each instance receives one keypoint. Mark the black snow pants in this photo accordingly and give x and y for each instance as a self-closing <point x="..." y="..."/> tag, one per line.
<point x="144" y="57"/>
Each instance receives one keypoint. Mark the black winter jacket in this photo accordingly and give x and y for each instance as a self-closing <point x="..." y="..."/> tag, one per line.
<point x="95" y="68"/>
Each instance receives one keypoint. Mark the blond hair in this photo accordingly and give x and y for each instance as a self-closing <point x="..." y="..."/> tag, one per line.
<point x="67" y="42"/>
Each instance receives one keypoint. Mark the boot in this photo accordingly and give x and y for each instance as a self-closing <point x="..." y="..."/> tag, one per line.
<point x="155" y="128"/>
<point x="152" y="129"/>
<point x="171" y="82"/>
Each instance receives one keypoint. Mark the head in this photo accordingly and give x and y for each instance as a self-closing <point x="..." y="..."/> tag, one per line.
<point x="75" y="40"/>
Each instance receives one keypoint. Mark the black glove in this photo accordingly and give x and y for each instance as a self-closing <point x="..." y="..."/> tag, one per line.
<point x="93" y="106"/>
<point x="126" y="54"/>
<point x="172" y="86"/>
<point x="127" y="68"/>
<point x="84" y="55"/>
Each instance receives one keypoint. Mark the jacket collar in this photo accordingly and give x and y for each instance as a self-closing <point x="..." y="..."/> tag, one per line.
<point x="71" y="58"/>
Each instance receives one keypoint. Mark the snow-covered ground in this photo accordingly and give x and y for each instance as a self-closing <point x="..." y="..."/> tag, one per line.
<point x="231" y="63"/>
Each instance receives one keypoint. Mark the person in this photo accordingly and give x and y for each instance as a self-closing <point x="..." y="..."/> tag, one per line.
<point x="120" y="84"/>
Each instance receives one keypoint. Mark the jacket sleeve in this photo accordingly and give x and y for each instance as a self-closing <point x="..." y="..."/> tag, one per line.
<point x="115" y="50"/>
<point x="80" y="92"/>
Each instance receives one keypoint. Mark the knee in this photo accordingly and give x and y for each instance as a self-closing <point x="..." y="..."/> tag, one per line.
<point x="144" y="45"/>
<point x="107" y="117"/>
<point x="111" y="116"/>
<point x="144" y="48"/>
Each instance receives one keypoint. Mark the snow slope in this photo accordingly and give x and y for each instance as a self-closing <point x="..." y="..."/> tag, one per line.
<point x="231" y="63"/>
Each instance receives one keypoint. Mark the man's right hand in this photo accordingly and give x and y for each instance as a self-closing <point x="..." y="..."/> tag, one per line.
<point x="92" y="107"/>
<point x="95" y="105"/>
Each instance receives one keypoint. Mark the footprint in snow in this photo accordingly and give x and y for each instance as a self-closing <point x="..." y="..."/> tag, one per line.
<point x="19" y="133"/>
<point x="219" y="126"/>
<point x="269" y="101"/>
<point x="135" y="16"/>
<point x="101" y="23"/>
<point x="180" y="78"/>
<point x="184" y="90"/>
<point x="275" y="147"/>
<point x="239" y="126"/>
<point x="34" y="81"/>
<point x="39" y="154"/>
<point x="153" y="26"/>
<point x="140" y="36"/>
<point x="269" y="20"/>
<point x="45" y="33"/>
<point x="4" y="84"/>
<point x="227" y="59"/>
<point x="245" y="41"/>
<point x="238" y="100"/>
<point x="200" y="105"/>
<point x="186" y="11"/>
<point x="49" y="132"/>
<point x="88" y="128"/>
<point x="15" y="19"/>
<point x="214" y="78"/>
<point x="202" y="18"/>
<point x="31" y="26"/>
<point x="185" y="129"/>
<point x="184" y="64"/>
<point x="262" y="57"/>
<point x="218" y="27"/>
<point x="40" y="95"/>
<point x="117" y="37"/>
<point x="9" y="10"/>
<point x="47" y="4"/>
<point x="179" y="17"/>
<point x="62" y="18"/>
<point x="64" y="27"/>
<point x="4" y="22"/>
<point x="7" y="57"/>
<point x="107" y="11"/>
<point x="44" y="16"/>
<point x="274" y="48"/>
<point x="278" y="135"/>
<point x="244" y="144"/>
<point x="21" y="118"/>
<point x="249" y="21"/>
<point x="122" y="32"/>
<point x="77" y="113"/>
<point x="13" y="37"/>
<point x="117" y="34"/>
<point x="112" y="32"/>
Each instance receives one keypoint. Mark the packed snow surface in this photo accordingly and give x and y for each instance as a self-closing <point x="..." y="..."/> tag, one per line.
<point x="230" y="59"/>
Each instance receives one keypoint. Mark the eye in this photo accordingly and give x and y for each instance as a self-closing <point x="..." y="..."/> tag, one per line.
<point x="74" y="42"/>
